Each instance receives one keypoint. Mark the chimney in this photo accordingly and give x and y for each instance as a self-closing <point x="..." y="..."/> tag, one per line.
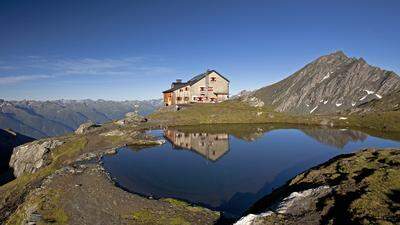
<point x="178" y="81"/>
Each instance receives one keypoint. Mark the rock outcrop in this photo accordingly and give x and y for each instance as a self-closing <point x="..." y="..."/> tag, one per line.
<point x="30" y="157"/>
<point x="131" y="118"/>
<point x="85" y="127"/>
<point x="296" y="204"/>
<point x="330" y="84"/>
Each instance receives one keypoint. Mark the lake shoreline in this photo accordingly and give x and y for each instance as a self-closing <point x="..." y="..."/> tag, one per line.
<point x="27" y="196"/>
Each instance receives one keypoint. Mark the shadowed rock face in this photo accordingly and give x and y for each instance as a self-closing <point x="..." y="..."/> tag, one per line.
<point x="329" y="84"/>
<point x="8" y="140"/>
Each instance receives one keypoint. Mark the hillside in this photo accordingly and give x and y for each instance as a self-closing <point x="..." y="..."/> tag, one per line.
<point x="50" y="118"/>
<point x="390" y="102"/>
<point x="330" y="84"/>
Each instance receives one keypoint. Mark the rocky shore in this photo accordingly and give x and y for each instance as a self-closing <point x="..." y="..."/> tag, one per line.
<point x="359" y="188"/>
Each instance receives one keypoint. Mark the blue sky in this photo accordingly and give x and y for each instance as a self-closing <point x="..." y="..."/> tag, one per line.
<point x="134" y="49"/>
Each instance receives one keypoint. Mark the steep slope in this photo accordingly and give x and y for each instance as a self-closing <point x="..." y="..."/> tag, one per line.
<point x="390" y="102"/>
<point x="329" y="84"/>
<point x="8" y="140"/>
<point x="50" y="118"/>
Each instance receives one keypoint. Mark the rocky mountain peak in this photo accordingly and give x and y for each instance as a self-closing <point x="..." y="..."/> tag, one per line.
<point x="338" y="54"/>
<point x="330" y="84"/>
<point x="332" y="57"/>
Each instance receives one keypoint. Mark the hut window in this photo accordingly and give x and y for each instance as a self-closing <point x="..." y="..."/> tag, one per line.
<point x="186" y="88"/>
<point x="213" y="79"/>
<point x="179" y="98"/>
<point x="186" y="98"/>
<point x="202" y="88"/>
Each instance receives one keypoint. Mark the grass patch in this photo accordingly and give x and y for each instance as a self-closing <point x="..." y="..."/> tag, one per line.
<point x="149" y="217"/>
<point x="238" y="112"/>
<point x="176" y="202"/>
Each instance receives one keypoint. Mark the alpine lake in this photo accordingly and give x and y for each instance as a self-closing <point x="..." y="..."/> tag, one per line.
<point x="229" y="167"/>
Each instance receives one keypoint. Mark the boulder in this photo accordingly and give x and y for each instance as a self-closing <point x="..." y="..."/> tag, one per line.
<point x="85" y="127"/>
<point x="253" y="101"/>
<point x="131" y="118"/>
<point x="113" y="133"/>
<point x="28" y="158"/>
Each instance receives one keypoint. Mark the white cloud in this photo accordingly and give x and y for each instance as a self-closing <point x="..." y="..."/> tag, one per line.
<point x="17" y="79"/>
<point x="57" y="67"/>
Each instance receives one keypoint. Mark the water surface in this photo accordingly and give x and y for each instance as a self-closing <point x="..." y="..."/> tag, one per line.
<point x="230" y="167"/>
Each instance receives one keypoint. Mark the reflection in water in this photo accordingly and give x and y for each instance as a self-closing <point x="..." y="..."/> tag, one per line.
<point x="211" y="146"/>
<point x="335" y="138"/>
<point x="239" y="164"/>
<point x="214" y="145"/>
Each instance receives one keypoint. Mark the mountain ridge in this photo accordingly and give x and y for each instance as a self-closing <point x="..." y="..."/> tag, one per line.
<point x="40" y="119"/>
<point x="328" y="85"/>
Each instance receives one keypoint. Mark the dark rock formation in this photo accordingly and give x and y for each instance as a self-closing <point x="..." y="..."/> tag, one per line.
<point x="8" y="140"/>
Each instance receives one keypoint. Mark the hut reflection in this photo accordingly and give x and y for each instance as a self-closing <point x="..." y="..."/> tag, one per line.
<point x="210" y="146"/>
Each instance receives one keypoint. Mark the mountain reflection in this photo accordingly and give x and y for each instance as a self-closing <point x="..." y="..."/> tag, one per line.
<point x="335" y="138"/>
<point x="214" y="143"/>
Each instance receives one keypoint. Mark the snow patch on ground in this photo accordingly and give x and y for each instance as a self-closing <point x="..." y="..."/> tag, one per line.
<point x="361" y="99"/>
<point x="325" y="77"/>
<point x="339" y="104"/>
<point x="312" y="110"/>
<point x="353" y="104"/>
<point x="378" y="96"/>
<point x="342" y="118"/>
<point x="284" y="206"/>
<point x="325" y="102"/>
<point x="369" y="92"/>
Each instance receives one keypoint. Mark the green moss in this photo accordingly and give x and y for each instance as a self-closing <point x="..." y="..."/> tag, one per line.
<point x="47" y="204"/>
<point x="144" y="216"/>
<point x="178" y="221"/>
<point x="50" y="209"/>
<point x="176" y="202"/>
<point x="376" y="202"/>
<point x="149" y="217"/>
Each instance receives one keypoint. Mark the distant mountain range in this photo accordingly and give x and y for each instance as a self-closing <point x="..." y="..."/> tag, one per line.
<point x="40" y="119"/>
<point x="332" y="83"/>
